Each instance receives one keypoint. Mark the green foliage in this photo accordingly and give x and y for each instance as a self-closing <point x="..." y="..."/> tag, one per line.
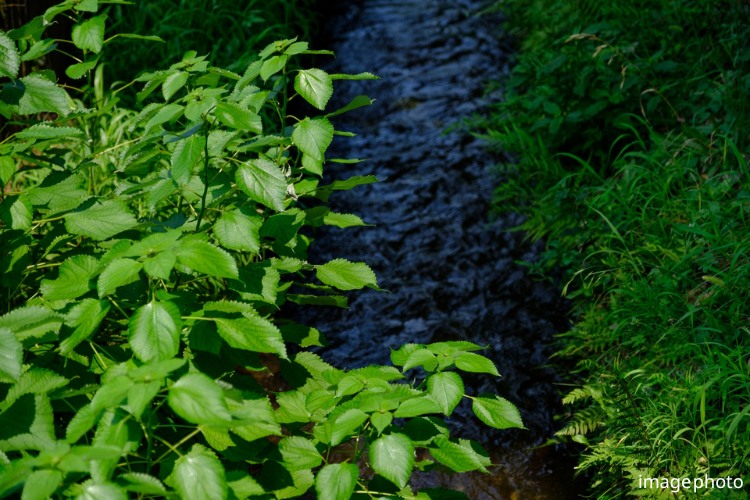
<point x="145" y="254"/>
<point x="632" y="152"/>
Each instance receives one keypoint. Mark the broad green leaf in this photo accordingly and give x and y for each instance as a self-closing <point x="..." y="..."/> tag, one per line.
<point x="421" y="357"/>
<point x="381" y="420"/>
<point x="16" y="212"/>
<point x="315" y="86"/>
<point x="119" y="272"/>
<point x="336" y="481"/>
<point x="10" y="59"/>
<point x="186" y="154"/>
<point x="14" y="474"/>
<point x="244" y="485"/>
<point x="446" y="389"/>
<point x="89" y="34"/>
<point x="345" y="275"/>
<point x="87" y="6"/>
<point x="236" y="231"/>
<point x="38" y="95"/>
<point x="199" y="400"/>
<point x="475" y="363"/>
<point x="400" y="355"/>
<point x="497" y="412"/>
<point x="160" y="265"/>
<point x="392" y="456"/>
<point x="199" y="474"/>
<point x="463" y="456"/>
<point x="39" y="49"/>
<point x="173" y="83"/>
<point x="60" y="192"/>
<point x="31" y="322"/>
<point x="11" y="356"/>
<point x="42" y="484"/>
<point x="206" y="258"/>
<point x="140" y="395"/>
<point x="101" y="221"/>
<point x="263" y="182"/>
<point x="86" y="317"/>
<point x="236" y="117"/>
<point x="273" y="65"/>
<point x="299" y="453"/>
<point x="357" y="102"/>
<point x="358" y="76"/>
<point x="27" y="424"/>
<point x="7" y="169"/>
<point x="253" y="419"/>
<point x="77" y="71"/>
<point x="167" y="113"/>
<point x="417" y="406"/>
<point x="45" y="131"/>
<point x="313" y="136"/>
<point x="155" y="331"/>
<point x="33" y="381"/>
<point x="296" y="48"/>
<point x="346" y="425"/>
<point x="138" y="482"/>
<point x="252" y="333"/>
<point x="112" y="393"/>
<point x="155" y="370"/>
<point x="343" y="220"/>
<point x="73" y="279"/>
<point x="102" y="491"/>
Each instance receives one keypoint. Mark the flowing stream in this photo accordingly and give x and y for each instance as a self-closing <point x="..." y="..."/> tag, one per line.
<point x="451" y="272"/>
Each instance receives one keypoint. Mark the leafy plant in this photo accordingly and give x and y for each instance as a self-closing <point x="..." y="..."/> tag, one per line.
<point x="145" y="256"/>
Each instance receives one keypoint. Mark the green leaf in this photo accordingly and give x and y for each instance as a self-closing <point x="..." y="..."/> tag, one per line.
<point x="313" y="136"/>
<point x="345" y="275"/>
<point x="173" y="83"/>
<point x="497" y="412"/>
<point x="31" y="322"/>
<point x="446" y="389"/>
<point x="343" y="220"/>
<point x="235" y="116"/>
<point x="236" y="231"/>
<point x="252" y="333"/>
<point x="7" y="169"/>
<point x="16" y="212"/>
<point x="199" y="474"/>
<point x="421" y="357"/>
<point x="87" y="6"/>
<point x="138" y="482"/>
<point x="273" y="65"/>
<point x="165" y="114"/>
<point x="89" y="35"/>
<point x="155" y="331"/>
<point x="315" y="86"/>
<point x="336" y="481"/>
<point x="346" y="425"/>
<point x="11" y="356"/>
<point x="46" y="131"/>
<point x="72" y="280"/>
<point x="27" y="424"/>
<point x="76" y="71"/>
<point x="119" y="272"/>
<point x="86" y="317"/>
<point x="299" y="453"/>
<point x="392" y="457"/>
<point x="206" y="258"/>
<point x="475" y="363"/>
<point x="101" y="491"/>
<point x="381" y="420"/>
<point x="42" y="484"/>
<point x="10" y="59"/>
<point x="461" y="456"/>
<point x="101" y="221"/>
<point x="357" y="102"/>
<point x="35" y="94"/>
<point x="199" y="400"/>
<point x="358" y="76"/>
<point x="415" y="407"/>
<point x="39" y="49"/>
<point x="263" y="182"/>
<point x="186" y="154"/>
<point x="155" y="370"/>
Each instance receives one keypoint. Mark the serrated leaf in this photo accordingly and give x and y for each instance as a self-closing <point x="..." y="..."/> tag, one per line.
<point x="199" y="400"/>
<point x="87" y="6"/>
<point x="41" y="484"/>
<point x="119" y="272"/>
<point x="155" y="370"/>
<point x="461" y="456"/>
<point x="273" y="65"/>
<point x="46" y="131"/>
<point x="39" y="49"/>
<point x="167" y="113"/>
<point x="346" y="425"/>
<point x="252" y="333"/>
<point x="199" y="474"/>
<point x="10" y="59"/>
<point x="86" y="317"/>
<point x="102" y="491"/>
<point x="101" y="221"/>
<point x="336" y="481"/>
<point x="31" y="321"/>
<point x="381" y="420"/>
<point x="16" y="212"/>
<point x="263" y="182"/>
<point x="497" y="412"/>
<point x="359" y="76"/>
<point x="446" y="389"/>
<point x="138" y="482"/>
<point x="89" y="34"/>
<point x="415" y="407"/>
<point x="235" y="116"/>
<point x="345" y="275"/>
<point x="299" y="453"/>
<point x="72" y="280"/>
<point x="34" y="381"/>
<point x="315" y="86"/>
<point x="186" y="154"/>
<point x="173" y="83"/>
<point x="392" y="457"/>
<point x="7" y="169"/>
<point x="475" y="363"/>
<point x="343" y="220"/>
<point x="11" y="356"/>
<point x="27" y="424"/>
<point x="155" y="331"/>
<point x="36" y="94"/>
<point x="206" y="258"/>
<point x="76" y="71"/>
<point x="357" y="102"/>
<point x="237" y="231"/>
<point x="421" y="357"/>
<point x="313" y="136"/>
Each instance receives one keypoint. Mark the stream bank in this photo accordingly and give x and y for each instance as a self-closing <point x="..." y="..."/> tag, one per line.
<point x="450" y="271"/>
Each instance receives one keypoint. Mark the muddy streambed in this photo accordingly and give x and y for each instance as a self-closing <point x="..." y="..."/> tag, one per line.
<point x="450" y="271"/>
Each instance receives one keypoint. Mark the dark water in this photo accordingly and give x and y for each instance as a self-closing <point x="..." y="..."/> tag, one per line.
<point x="451" y="272"/>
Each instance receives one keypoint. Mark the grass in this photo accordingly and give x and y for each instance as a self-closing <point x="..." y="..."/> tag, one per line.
<point x="630" y="130"/>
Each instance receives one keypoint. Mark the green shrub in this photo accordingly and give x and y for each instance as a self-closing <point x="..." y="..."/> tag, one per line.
<point x="145" y="253"/>
<point x="631" y="139"/>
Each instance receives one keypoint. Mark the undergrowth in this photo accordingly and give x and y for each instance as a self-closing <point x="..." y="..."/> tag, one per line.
<point x="629" y="126"/>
